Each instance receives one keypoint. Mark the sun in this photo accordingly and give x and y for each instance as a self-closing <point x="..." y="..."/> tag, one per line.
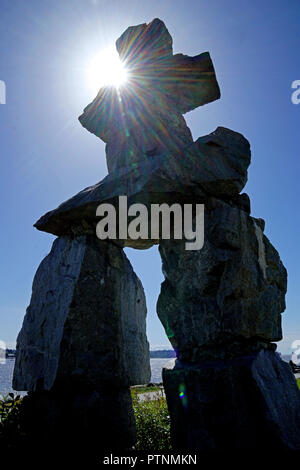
<point x="105" y="69"/>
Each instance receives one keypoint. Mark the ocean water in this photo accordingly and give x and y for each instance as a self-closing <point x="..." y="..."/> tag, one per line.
<point x="157" y="365"/>
<point x="6" y="372"/>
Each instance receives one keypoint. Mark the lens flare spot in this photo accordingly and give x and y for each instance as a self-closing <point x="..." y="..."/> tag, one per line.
<point x="182" y="395"/>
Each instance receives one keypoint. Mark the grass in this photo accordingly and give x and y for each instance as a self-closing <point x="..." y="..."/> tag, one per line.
<point x="10" y="429"/>
<point x="9" y="406"/>
<point x="153" y="425"/>
<point x="152" y="421"/>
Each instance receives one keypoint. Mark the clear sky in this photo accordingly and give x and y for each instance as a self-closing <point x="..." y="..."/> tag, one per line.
<point x="46" y="156"/>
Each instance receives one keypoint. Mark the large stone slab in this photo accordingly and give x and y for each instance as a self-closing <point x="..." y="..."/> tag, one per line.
<point x="143" y="117"/>
<point x="249" y="402"/>
<point x="78" y="422"/>
<point x="227" y="298"/>
<point x="215" y="165"/>
<point x="145" y="42"/>
<point x="86" y="321"/>
<point x="160" y="130"/>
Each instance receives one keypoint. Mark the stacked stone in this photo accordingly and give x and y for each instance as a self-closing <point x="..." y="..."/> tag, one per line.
<point x="83" y="343"/>
<point x="220" y="306"/>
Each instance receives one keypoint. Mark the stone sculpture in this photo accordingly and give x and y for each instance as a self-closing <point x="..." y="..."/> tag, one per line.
<point x="220" y="306"/>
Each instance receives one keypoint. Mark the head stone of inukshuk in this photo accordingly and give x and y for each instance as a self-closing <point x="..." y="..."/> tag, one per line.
<point x="143" y="118"/>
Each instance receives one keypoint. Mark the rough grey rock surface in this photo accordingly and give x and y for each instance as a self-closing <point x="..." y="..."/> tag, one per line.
<point x="147" y="53"/>
<point x="215" y="165"/>
<point x="86" y="319"/>
<point x="75" y="420"/>
<point x="227" y="298"/>
<point x="84" y="332"/>
<point x="144" y="118"/>
<point x="155" y="36"/>
<point x="133" y="311"/>
<point x="129" y="144"/>
<point x="249" y="402"/>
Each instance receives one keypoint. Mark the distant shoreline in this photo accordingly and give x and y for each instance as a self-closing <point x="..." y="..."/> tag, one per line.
<point x="158" y="354"/>
<point x="163" y="354"/>
<point x="7" y="353"/>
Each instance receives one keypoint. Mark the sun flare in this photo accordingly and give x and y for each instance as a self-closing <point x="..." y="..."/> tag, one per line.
<point x="106" y="69"/>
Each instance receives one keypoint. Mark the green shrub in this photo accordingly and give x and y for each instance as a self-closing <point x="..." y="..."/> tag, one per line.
<point x="153" y="425"/>
<point x="10" y="428"/>
<point x="152" y="422"/>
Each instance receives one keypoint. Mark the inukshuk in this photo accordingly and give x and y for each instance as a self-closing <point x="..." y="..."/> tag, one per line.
<point x="221" y="306"/>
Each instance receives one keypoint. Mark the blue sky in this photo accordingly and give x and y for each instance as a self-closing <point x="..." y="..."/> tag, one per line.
<point x="46" y="156"/>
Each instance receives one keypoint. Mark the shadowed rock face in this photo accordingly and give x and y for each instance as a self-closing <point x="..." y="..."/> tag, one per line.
<point x="84" y="331"/>
<point x="226" y="299"/>
<point x="249" y="402"/>
<point x="86" y="320"/>
<point x="147" y="53"/>
<point x="144" y="117"/>
<point x="145" y="43"/>
<point x="214" y="165"/>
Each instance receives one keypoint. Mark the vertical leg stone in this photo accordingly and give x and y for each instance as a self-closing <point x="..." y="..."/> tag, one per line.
<point x="249" y="402"/>
<point x="72" y="351"/>
<point x="221" y="308"/>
